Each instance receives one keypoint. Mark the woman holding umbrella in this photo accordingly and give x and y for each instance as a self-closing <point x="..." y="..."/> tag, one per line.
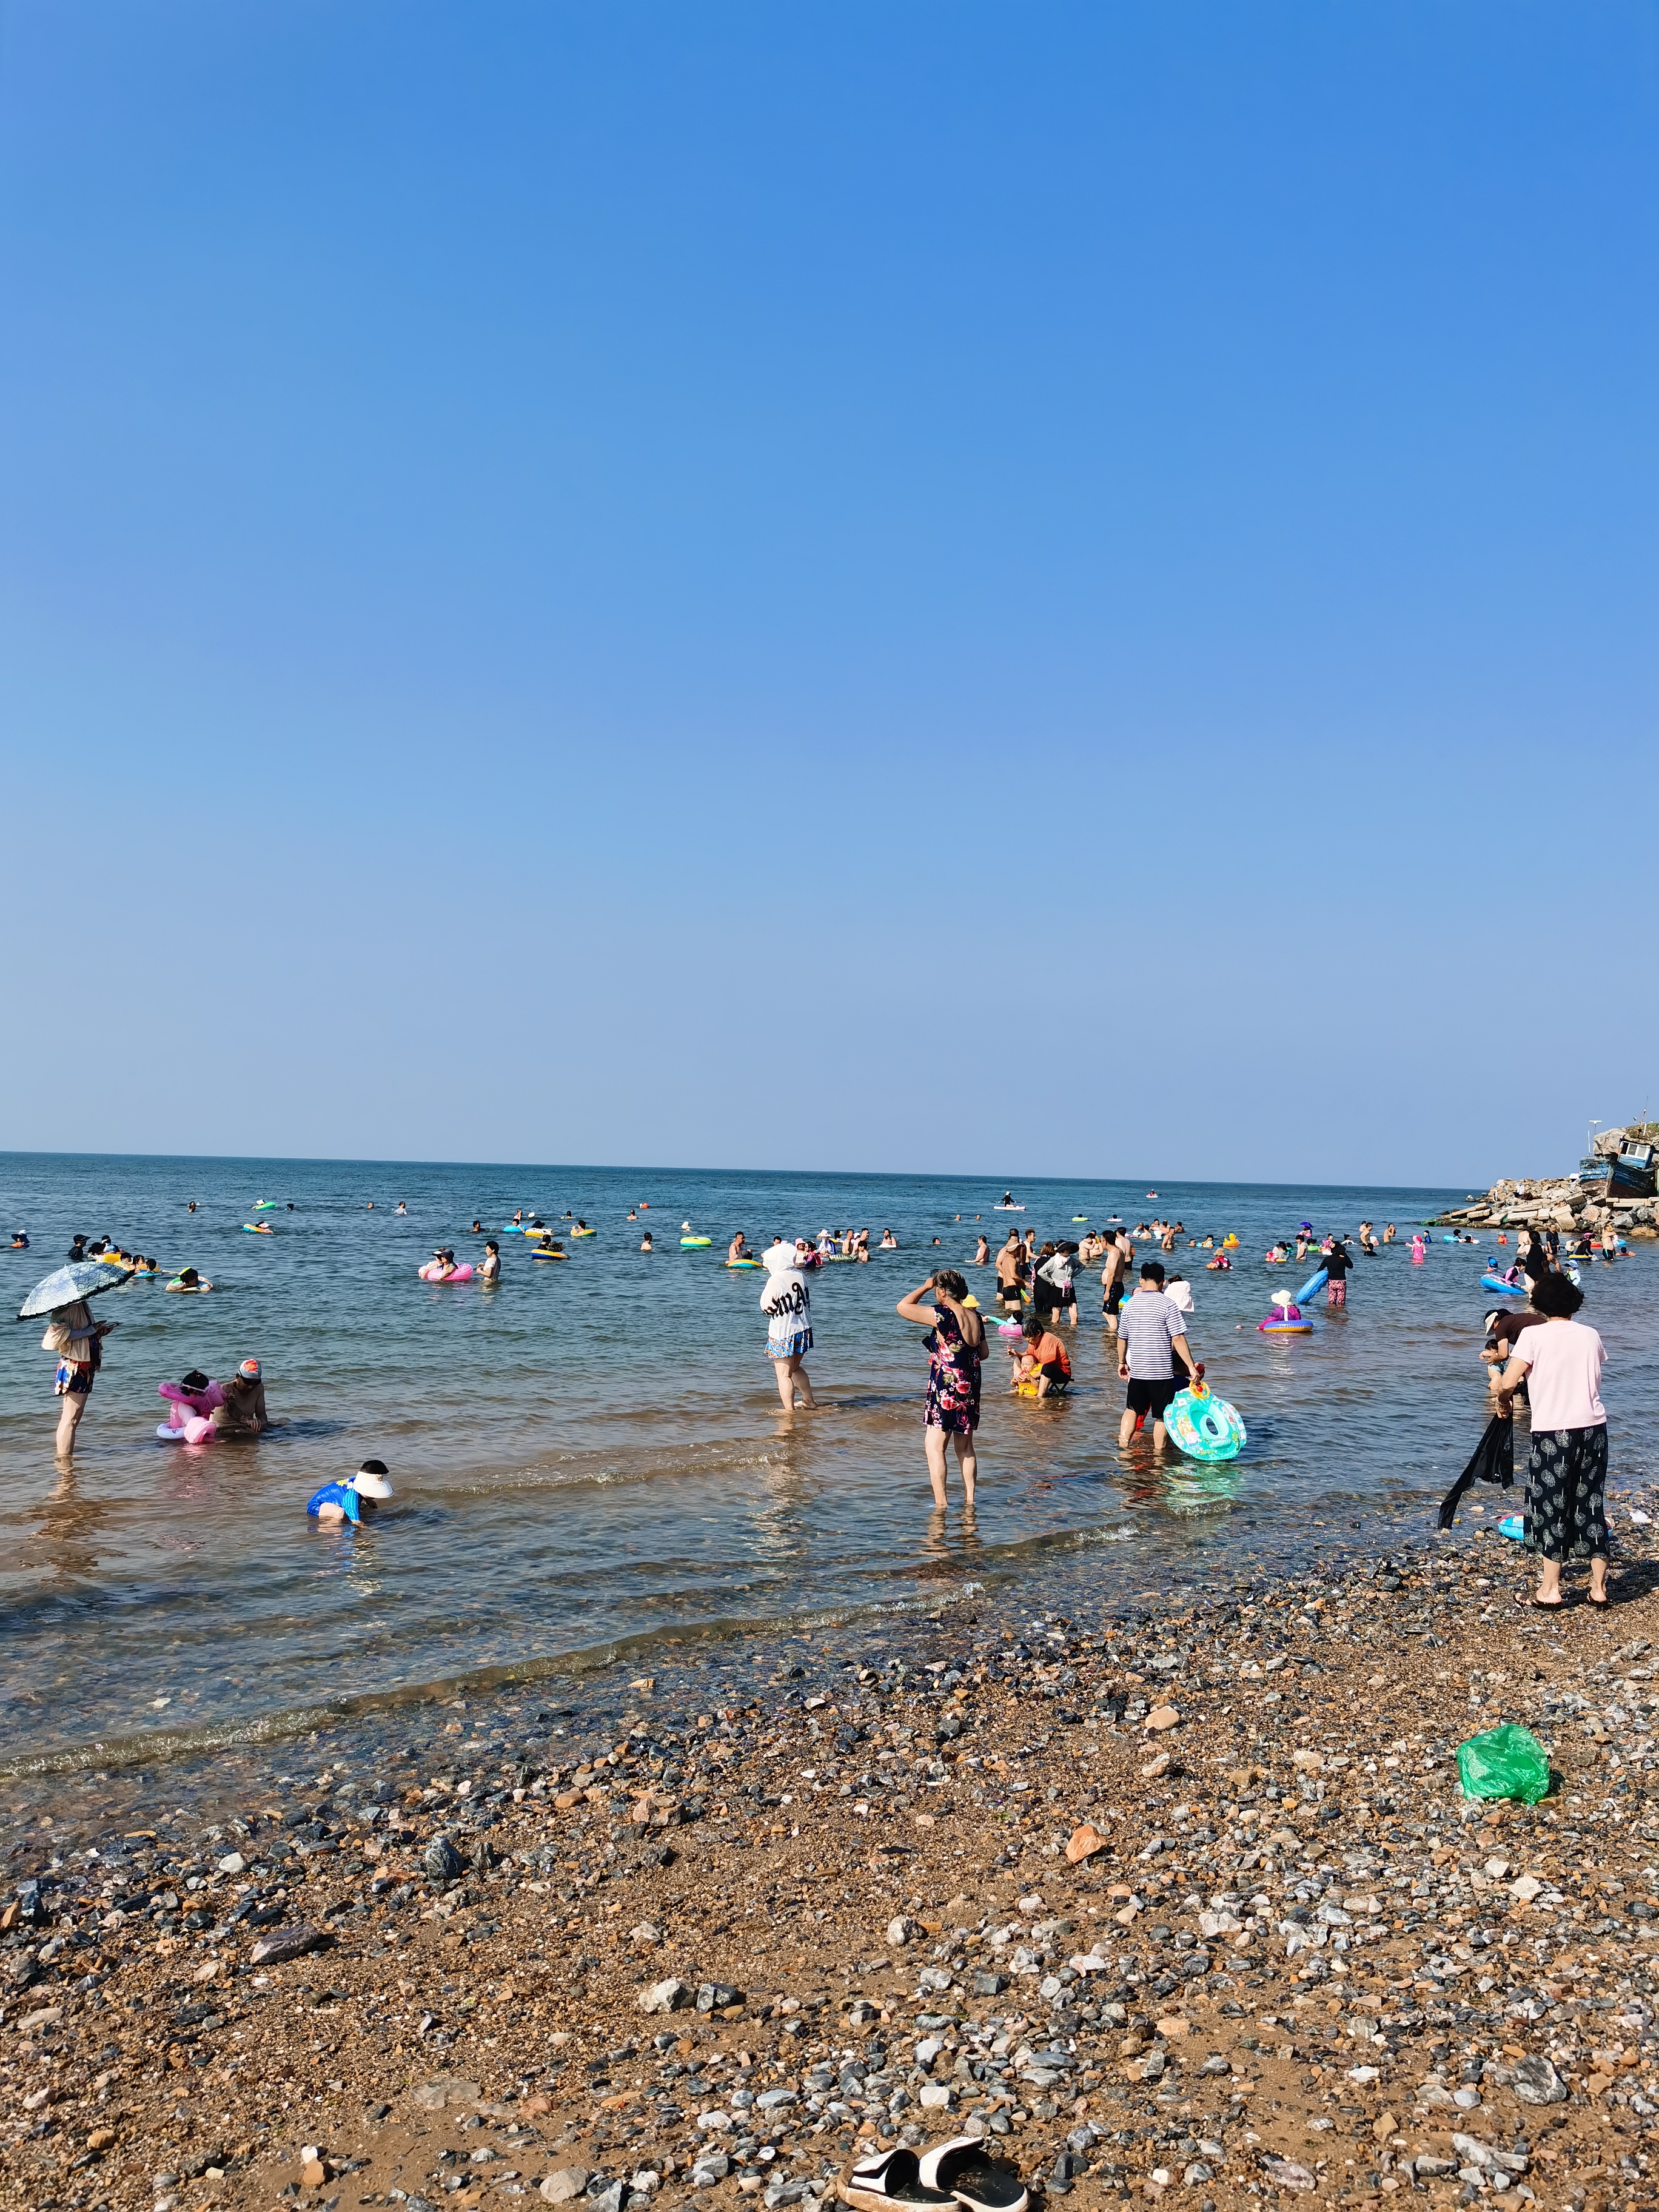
<point x="72" y="1334"/>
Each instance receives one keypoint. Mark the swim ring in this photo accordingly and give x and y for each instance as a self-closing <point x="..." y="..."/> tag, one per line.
<point x="258" y="1228"/>
<point x="594" y="1232"/>
<point x="264" y="1205"/>
<point x="684" y="1240"/>
<point x="1491" y="1282"/>
<point x="431" y="1273"/>
<point x="1316" y="1282"/>
<point x="1277" y="1328"/>
<point x="743" y="1263"/>
<point x="1203" y="1426"/>
<point x="546" y="1252"/>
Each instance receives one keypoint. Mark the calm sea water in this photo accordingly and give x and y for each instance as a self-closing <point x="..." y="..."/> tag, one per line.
<point x="591" y="1456"/>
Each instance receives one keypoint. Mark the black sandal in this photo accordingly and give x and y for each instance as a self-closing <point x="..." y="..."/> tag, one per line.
<point x="892" y="2177"/>
<point x="966" y="2170"/>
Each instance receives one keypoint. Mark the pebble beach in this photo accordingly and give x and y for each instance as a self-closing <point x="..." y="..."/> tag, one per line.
<point x="1183" y="1903"/>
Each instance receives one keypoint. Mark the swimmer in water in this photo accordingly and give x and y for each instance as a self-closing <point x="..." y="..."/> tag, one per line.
<point x="632" y="1214"/>
<point x="402" y="1208"/>
<point x="353" y="1500"/>
<point x="738" y="1248"/>
<point x="192" y="1206"/>
<point x="188" y="1280"/>
<point x="491" y="1271"/>
<point x="478" y="1229"/>
<point x="19" y="1242"/>
<point x="890" y="1242"/>
<point x="645" y="1242"/>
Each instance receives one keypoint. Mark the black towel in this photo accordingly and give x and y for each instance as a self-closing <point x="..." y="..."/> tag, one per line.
<point x="1493" y="1461"/>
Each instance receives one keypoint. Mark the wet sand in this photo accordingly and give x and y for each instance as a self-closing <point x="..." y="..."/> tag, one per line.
<point x="1298" y="1965"/>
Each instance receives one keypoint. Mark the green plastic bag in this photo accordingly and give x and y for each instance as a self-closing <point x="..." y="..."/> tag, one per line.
<point x="1504" y="1762"/>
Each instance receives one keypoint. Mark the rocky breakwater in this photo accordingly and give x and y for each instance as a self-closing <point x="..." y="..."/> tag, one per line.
<point x="1587" y="1202"/>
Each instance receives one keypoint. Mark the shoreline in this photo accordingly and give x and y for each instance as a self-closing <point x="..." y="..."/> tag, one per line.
<point x="722" y="1825"/>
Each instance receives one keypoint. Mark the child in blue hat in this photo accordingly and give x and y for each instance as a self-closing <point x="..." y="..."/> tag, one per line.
<point x="355" y="1500"/>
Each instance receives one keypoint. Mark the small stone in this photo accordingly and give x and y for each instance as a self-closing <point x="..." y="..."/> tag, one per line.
<point x="666" y="1997"/>
<point x="1163" y="1716"/>
<point x="1384" y="2125"/>
<point x="1497" y="1868"/>
<point x="233" y="1863"/>
<point x="647" y="1932"/>
<point x="314" y="2173"/>
<point x="718" y="1996"/>
<point x="443" y="1862"/>
<point x="289" y="1943"/>
<point x="1287" y="2173"/>
<point x="1537" y="2082"/>
<point x="1086" y="1840"/>
<point x="773" y="2101"/>
<point x="1154" y="1767"/>
<point x="564" y="2183"/>
<point x="101" y="2139"/>
<point x="934" y="2095"/>
<point x="900" y="1931"/>
<point x="1526" y="1889"/>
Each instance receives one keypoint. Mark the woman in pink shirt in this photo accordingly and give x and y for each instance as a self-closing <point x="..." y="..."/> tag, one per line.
<point x="1561" y="1362"/>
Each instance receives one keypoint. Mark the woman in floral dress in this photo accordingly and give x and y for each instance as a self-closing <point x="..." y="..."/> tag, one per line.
<point x="955" y="1343"/>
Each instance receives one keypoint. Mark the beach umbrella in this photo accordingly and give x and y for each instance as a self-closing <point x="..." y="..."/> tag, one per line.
<point x="83" y="1280"/>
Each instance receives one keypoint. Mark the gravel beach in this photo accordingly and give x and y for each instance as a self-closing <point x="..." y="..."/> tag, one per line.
<point x="1185" y="1904"/>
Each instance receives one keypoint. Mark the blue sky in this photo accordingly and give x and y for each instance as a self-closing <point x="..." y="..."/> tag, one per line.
<point x="1054" y="589"/>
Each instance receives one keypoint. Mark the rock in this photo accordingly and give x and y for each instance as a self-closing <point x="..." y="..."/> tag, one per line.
<point x="934" y="2095"/>
<point x="446" y="2092"/>
<point x="718" y="1996"/>
<point x="284" y="1943"/>
<point x="563" y="2184"/>
<point x="1163" y="1716"/>
<point x="233" y="1863"/>
<point x="1287" y="2173"/>
<point x="1526" y="1889"/>
<point x="1487" y="2157"/>
<point x="647" y="1932"/>
<point x="666" y="1997"/>
<point x="443" y="1860"/>
<point x="989" y="1985"/>
<point x="899" y="1932"/>
<point x="1154" y="1767"/>
<point x="1086" y="1840"/>
<point x="709" y="2170"/>
<point x="101" y="2139"/>
<point x="1537" y="2082"/>
<point x="609" y="2199"/>
<point x="773" y="2101"/>
<point x="314" y="2173"/>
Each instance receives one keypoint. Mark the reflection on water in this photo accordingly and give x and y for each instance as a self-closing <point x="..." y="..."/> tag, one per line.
<point x="594" y="1453"/>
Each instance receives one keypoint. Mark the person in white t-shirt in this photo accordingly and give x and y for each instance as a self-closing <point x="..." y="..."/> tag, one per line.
<point x="1560" y="1360"/>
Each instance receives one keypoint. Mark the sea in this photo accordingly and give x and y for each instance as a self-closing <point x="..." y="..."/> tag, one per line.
<point x="591" y="1466"/>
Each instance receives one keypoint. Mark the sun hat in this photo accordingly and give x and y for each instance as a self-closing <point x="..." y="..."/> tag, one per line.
<point x="370" y="1481"/>
<point x="249" y="1370"/>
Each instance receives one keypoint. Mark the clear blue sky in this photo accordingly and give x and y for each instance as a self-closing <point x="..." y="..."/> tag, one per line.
<point x="1010" y="588"/>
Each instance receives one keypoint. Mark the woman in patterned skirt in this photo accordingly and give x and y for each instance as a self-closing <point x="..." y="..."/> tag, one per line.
<point x="1561" y="1360"/>
<point x="955" y="1343"/>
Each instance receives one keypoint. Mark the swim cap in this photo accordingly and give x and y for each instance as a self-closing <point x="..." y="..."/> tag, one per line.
<point x="249" y="1370"/>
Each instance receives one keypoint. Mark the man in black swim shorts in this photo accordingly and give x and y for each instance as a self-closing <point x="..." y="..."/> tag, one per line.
<point x="1152" y="1330"/>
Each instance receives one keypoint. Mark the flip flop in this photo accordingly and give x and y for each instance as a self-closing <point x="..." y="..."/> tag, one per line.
<point x="890" y="2177"/>
<point x="964" y="2169"/>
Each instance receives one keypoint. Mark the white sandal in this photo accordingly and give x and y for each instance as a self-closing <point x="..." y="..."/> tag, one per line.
<point x="892" y="2177"/>
<point x="965" y="2170"/>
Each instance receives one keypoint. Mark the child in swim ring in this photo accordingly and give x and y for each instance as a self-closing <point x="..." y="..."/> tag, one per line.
<point x="354" y="1500"/>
